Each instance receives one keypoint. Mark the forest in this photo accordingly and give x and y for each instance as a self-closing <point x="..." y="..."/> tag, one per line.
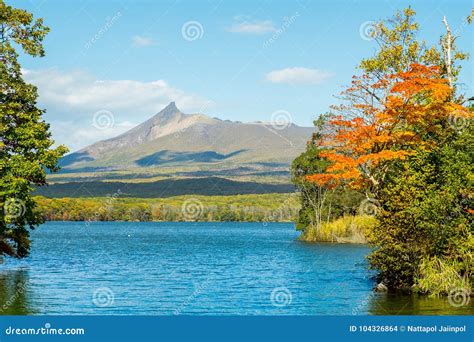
<point x="400" y="143"/>
<point x="257" y="208"/>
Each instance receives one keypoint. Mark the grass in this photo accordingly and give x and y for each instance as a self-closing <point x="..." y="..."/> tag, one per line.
<point x="440" y="277"/>
<point x="347" y="229"/>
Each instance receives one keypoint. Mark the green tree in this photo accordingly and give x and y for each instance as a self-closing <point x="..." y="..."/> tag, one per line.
<point x="26" y="152"/>
<point x="312" y="197"/>
<point x="400" y="46"/>
<point x="319" y="204"/>
<point x="424" y="239"/>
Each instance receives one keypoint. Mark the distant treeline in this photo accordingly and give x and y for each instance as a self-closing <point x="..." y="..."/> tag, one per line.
<point x="258" y="208"/>
<point x="210" y="186"/>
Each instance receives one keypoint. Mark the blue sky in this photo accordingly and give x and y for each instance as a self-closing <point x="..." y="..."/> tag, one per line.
<point x="237" y="60"/>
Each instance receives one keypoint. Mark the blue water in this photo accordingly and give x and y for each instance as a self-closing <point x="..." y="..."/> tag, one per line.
<point x="186" y="268"/>
<point x="190" y="268"/>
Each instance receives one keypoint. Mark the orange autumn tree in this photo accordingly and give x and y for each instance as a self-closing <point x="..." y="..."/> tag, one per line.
<point x="382" y="120"/>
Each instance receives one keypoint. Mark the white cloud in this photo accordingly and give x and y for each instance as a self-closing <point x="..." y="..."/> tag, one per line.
<point x="76" y="135"/>
<point x="297" y="75"/>
<point x="141" y="41"/>
<point x="72" y="98"/>
<point x="253" y="27"/>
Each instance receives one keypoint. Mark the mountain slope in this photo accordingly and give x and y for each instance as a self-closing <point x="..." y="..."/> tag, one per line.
<point x="210" y="186"/>
<point x="174" y="139"/>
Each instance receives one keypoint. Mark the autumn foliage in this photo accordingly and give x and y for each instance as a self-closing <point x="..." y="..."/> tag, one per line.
<point x="385" y="119"/>
<point x="402" y="139"/>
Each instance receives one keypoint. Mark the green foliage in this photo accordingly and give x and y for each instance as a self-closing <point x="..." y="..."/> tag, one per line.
<point x="425" y="216"/>
<point x="400" y="47"/>
<point x="440" y="277"/>
<point x="258" y="208"/>
<point x="424" y="236"/>
<point x="312" y="195"/>
<point x="210" y="186"/>
<point x="25" y="140"/>
<point x="318" y="204"/>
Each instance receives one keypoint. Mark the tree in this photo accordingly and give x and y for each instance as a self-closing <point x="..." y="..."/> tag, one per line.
<point x="403" y="136"/>
<point x="313" y="197"/>
<point x="425" y="236"/>
<point x="26" y="152"/>
<point x="318" y="203"/>
<point x="413" y="114"/>
<point x="362" y="149"/>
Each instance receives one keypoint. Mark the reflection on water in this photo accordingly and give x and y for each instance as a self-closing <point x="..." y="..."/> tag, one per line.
<point x="15" y="293"/>
<point x="403" y="304"/>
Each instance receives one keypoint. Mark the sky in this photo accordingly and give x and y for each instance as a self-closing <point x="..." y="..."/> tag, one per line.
<point x="110" y="65"/>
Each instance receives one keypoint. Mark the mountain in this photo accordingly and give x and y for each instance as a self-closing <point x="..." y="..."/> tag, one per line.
<point x="210" y="186"/>
<point x="172" y="140"/>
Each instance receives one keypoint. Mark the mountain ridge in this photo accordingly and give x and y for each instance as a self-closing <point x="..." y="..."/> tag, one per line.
<point x="171" y="138"/>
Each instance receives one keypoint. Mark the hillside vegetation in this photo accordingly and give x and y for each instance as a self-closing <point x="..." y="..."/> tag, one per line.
<point x="259" y="208"/>
<point x="210" y="186"/>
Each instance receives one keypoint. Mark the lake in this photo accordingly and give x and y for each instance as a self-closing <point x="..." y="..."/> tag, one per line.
<point x="151" y="268"/>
